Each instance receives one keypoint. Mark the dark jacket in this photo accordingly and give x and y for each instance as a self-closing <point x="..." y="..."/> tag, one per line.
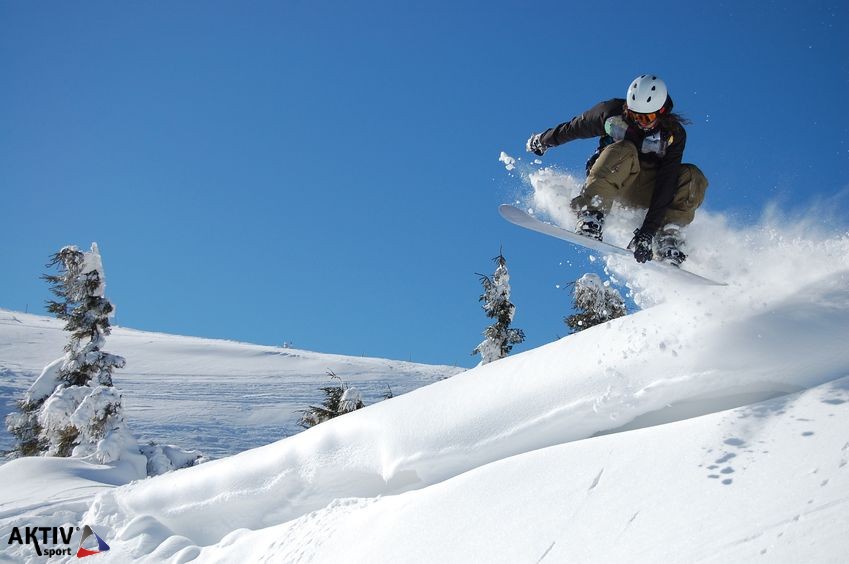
<point x="665" y="154"/>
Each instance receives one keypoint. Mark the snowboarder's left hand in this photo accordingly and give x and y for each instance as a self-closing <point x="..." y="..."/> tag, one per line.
<point x="641" y="244"/>
<point x="535" y="146"/>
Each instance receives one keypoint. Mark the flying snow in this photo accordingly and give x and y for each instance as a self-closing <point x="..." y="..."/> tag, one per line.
<point x="509" y="162"/>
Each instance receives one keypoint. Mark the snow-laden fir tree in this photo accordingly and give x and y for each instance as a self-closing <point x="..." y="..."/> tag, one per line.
<point x="595" y="301"/>
<point x="72" y="409"/>
<point x="339" y="399"/>
<point x="500" y="337"/>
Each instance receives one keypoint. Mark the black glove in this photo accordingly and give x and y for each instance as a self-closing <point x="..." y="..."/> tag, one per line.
<point x="536" y="146"/>
<point x="641" y="245"/>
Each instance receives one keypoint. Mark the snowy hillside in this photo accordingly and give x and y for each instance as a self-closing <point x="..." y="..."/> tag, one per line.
<point x="768" y="482"/>
<point x="220" y="397"/>
<point x="711" y="426"/>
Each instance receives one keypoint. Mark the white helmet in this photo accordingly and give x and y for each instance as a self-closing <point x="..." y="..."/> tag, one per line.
<point x="646" y="94"/>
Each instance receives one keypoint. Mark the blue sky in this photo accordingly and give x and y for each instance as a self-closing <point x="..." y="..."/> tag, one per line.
<point x="326" y="173"/>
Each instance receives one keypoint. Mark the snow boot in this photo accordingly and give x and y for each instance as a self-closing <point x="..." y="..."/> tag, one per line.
<point x="590" y="224"/>
<point x="669" y="245"/>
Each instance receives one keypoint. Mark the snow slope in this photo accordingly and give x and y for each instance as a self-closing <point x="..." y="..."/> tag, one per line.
<point x="712" y="426"/>
<point x="763" y="482"/>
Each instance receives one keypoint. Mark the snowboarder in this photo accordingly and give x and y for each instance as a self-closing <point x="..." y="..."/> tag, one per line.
<point x="637" y="163"/>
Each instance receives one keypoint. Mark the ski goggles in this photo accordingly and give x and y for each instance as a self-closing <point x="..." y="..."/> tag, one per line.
<point x="643" y="120"/>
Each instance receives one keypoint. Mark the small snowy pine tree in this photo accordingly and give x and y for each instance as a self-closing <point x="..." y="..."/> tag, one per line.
<point x="72" y="409"/>
<point x="339" y="399"/>
<point x="595" y="302"/>
<point x="500" y="338"/>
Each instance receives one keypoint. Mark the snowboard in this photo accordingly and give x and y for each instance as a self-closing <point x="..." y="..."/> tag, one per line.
<point x="523" y="219"/>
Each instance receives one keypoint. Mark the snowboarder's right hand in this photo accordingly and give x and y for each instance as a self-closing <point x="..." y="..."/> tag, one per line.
<point x="535" y="145"/>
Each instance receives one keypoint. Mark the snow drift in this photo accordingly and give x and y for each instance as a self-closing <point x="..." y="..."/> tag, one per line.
<point x="764" y="482"/>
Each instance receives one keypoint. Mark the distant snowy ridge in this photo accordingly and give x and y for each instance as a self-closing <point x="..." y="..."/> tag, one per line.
<point x="218" y="396"/>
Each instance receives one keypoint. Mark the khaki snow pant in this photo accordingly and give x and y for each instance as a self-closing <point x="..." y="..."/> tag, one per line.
<point x="617" y="176"/>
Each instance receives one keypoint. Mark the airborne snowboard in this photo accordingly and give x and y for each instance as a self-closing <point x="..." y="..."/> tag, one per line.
<point x="522" y="219"/>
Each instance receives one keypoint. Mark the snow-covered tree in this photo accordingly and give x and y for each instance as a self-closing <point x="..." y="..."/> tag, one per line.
<point x="595" y="301"/>
<point x="500" y="338"/>
<point x="72" y="409"/>
<point x="339" y="399"/>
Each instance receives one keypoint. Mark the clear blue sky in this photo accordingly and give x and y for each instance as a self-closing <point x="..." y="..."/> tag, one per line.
<point x="327" y="173"/>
